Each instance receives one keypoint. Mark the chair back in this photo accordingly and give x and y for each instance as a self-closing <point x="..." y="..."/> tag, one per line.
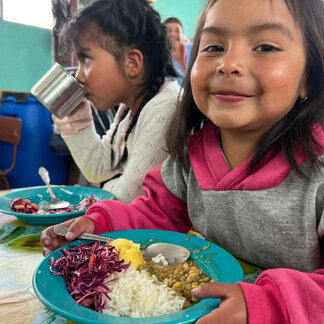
<point x="10" y="132"/>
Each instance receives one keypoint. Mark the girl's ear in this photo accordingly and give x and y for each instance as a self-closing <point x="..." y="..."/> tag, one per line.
<point x="134" y="63"/>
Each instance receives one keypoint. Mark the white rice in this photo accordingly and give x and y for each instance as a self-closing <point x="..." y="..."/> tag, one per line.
<point x="136" y="294"/>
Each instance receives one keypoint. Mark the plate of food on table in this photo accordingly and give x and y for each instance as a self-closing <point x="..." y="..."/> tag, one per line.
<point x="97" y="282"/>
<point x="31" y="204"/>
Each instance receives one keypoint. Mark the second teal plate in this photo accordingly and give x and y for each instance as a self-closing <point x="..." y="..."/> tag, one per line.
<point x="73" y="194"/>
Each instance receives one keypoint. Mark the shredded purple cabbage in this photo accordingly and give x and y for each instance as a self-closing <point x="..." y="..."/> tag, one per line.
<point x="86" y="269"/>
<point x="86" y="203"/>
<point x="25" y="206"/>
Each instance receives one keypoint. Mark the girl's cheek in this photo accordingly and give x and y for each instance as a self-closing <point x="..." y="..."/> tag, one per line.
<point x="87" y="72"/>
<point x="198" y="77"/>
<point x="196" y="85"/>
<point x="194" y="75"/>
<point x="277" y="76"/>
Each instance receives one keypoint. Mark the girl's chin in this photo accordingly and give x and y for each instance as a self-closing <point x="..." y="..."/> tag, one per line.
<point x="101" y="106"/>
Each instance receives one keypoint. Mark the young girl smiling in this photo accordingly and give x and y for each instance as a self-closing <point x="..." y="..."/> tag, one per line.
<point x="246" y="167"/>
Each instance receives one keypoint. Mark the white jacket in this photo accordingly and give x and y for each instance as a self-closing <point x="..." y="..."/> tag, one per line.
<point x="146" y="146"/>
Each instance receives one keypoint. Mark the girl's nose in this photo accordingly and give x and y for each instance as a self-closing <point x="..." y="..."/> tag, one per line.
<point x="231" y="64"/>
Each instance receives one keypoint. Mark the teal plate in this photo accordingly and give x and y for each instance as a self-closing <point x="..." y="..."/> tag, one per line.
<point x="217" y="263"/>
<point x="73" y="194"/>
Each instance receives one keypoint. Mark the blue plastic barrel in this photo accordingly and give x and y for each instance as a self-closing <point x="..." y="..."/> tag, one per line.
<point x="33" y="149"/>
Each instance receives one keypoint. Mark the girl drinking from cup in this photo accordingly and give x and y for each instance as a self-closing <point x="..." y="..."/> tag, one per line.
<point x="124" y="57"/>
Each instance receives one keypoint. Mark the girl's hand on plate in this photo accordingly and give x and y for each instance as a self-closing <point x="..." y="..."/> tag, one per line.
<point x="232" y="308"/>
<point x="77" y="226"/>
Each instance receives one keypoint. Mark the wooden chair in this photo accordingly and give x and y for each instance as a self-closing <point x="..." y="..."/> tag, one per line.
<point x="10" y="132"/>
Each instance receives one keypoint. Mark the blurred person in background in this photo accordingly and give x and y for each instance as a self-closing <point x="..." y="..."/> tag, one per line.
<point x="181" y="46"/>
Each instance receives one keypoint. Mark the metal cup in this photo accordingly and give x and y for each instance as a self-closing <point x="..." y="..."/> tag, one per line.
<point x="59" y="91"/>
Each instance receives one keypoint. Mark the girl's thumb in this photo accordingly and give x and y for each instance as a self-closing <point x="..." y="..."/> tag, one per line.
<point x="78" y="227"/>
<point x="70" y="236"/>
<point x="75" y="229"/>
<point x="210" y="290"/>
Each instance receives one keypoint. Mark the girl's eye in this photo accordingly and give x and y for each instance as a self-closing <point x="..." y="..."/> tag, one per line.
<point x="266" y="48"/>
<point x="86" y="58"/>
<point x="213" y="48"/>
<point x="83" y="58"/>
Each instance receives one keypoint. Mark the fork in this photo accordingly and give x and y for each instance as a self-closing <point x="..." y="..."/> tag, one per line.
<point x="62" y="230"/>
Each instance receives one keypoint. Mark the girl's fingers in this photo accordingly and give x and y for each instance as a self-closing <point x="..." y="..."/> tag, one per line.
<point x="232" y="308"/>
<point x="78" y="227"/>
<point x="50" y="240"/>
<point x="47" y="236"/>
<point x="212" y="290"/>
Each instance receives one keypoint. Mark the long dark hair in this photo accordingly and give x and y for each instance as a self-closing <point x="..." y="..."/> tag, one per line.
<point x="297" y="125"/>
<point x="117" y="25"/>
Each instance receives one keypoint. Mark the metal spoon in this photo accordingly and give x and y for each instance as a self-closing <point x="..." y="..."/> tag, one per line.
<point x="172" y="252"/>
<point x="54" y="203"/>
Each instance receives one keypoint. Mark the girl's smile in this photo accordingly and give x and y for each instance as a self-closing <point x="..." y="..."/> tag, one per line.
<point x="249" y="70"/>
<point x="230" y="96"/>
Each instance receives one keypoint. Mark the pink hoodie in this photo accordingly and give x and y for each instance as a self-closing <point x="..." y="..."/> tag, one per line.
<point x="278" y="296"/>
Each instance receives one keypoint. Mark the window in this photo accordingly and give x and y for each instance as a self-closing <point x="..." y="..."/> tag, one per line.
<point x="29" y="12"/>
